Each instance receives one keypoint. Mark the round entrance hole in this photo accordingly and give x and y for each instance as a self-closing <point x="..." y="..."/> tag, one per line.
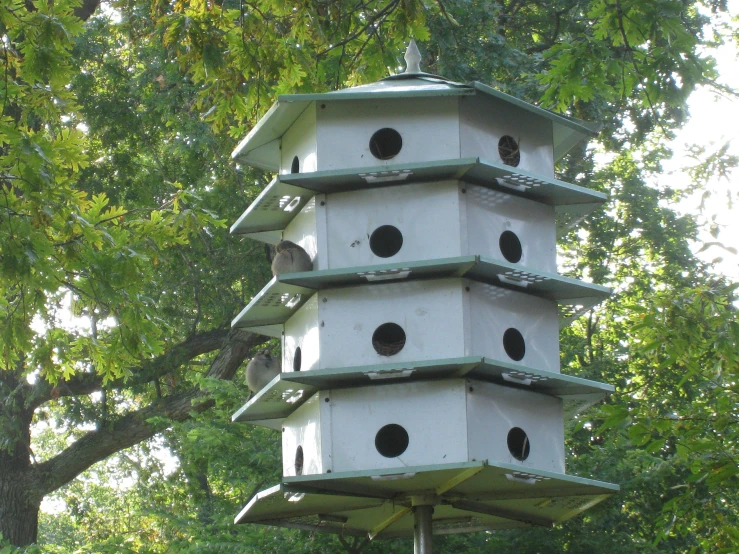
<point x="297" y="359"/>
<point x="514" y="344"/>
<point x="295" y="167"/>
<point x="518" y="443"/>
<point x="385" y="143"/>
<point x="388" y="339"/>
<point x="386" y="241"/>
<point x="299" y="460"/>
<point x="510" y="246"/>
<point x="392" y="440"/>
<point x="508" y="150"/>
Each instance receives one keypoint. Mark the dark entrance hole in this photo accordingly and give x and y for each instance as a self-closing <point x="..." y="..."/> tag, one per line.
<point x="518" y="443"/>
<point x="385" y="143"/>
<point x="392" y="440"/>
<point x="299" y="460"/>
<point x="510" y="246"/>
<point x="388" y="339"/>
<point x="508" y="150"/>
<point x="386" y="241"/>
<point x="297" y="359"/>
<point x="514" y="344"/>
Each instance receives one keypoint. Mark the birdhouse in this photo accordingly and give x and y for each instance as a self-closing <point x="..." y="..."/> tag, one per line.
<point x="420" y="356"/>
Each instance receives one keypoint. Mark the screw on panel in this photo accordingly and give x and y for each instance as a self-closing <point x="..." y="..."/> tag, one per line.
<point x="467" y="289"/>
<point x="326" y="400"/>
<point x="323" y="203"/>
<point x="472" y="389"/>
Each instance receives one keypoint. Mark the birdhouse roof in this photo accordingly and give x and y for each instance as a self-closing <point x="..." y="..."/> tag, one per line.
<point x="260" y="147"/>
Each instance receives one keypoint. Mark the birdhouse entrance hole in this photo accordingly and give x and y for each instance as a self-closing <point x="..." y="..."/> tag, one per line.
<point x="510" y="246"/>
<point x="295" y="167"/>
<point x="385" y="143"/>
<point x="297" y="359"/>
<point x="388" y="339"/>
<point x="514" y="344"/>
<point x="508" y="150"/>
<point x="299" y="460"/>
<point x="392" y="440"/>
<point x="518" y="443"/>
<point x="386" y="241"/>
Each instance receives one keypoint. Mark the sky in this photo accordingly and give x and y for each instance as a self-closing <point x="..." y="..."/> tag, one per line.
<point x="714" y="121"/>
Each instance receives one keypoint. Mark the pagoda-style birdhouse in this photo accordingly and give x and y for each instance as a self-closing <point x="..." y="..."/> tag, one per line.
<point x="420" y="356"/>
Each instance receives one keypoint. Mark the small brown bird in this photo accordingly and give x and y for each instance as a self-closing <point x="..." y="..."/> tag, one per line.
<point x="261" y="370"/>
<point x="290" y="258"/>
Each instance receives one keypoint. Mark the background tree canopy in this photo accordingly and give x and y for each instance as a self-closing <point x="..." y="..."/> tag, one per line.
<point x="119" y="278"/>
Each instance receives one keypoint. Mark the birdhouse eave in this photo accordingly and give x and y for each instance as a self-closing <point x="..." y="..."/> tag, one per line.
<point x="292" y="191"/>
<point x="283" y="396"/>
<point x="261" y="147"/>
<point x="285" y="294"/>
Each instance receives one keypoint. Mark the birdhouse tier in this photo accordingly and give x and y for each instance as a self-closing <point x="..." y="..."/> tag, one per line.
<point x="285" y="295"/>
<point x="416" y="423"/>
<point x="268" y="217"/>
<point x="471" y="496"/>
<point x="421" y="320"/>
<point x="412" y="120"/>
<point x="290" y="390"/>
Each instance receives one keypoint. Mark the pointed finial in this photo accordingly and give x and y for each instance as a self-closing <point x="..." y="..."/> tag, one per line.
<point x="412" y="58"/>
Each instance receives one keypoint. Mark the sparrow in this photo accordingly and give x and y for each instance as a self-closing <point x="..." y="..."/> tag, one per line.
<point x="261" y="370"/>
<point x="290" y="258"/>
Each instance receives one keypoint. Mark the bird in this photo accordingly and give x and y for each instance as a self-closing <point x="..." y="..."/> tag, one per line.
<point x="290" y="258"/>
<point x="261" y="370"/>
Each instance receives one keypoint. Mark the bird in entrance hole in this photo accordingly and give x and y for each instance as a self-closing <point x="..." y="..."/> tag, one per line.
<point x="261" y="370"/>
<point x="290" y="258"/>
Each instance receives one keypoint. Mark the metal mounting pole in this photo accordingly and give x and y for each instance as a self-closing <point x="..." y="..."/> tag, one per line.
<point x="422" y="516"/>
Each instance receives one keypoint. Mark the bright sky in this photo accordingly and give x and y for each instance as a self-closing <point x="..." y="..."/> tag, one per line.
<point x="714" y="121"/>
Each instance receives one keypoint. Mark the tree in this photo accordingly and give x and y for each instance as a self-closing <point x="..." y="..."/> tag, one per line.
<point x="118" y="275"/>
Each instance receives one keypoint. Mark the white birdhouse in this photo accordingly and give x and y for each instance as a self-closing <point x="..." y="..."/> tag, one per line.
<point x="423" y="346"/>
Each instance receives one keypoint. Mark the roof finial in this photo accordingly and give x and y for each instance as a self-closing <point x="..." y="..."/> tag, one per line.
<point x="412" y="58"/>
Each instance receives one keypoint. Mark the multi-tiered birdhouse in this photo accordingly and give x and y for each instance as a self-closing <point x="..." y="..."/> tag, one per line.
<point x="420" y="357"/>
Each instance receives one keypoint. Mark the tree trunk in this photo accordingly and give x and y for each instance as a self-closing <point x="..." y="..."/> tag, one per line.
<point x="19" y="508"/>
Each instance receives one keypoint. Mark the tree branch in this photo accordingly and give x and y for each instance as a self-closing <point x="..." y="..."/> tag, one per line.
<point x="134" y="428"/>
<point x="85" y="11"/>
<point x="86" y="383"/>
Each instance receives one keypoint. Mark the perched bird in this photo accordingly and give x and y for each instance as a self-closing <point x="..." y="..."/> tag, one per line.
<point x="290" y="258"/>
<point x="261" y="370"/>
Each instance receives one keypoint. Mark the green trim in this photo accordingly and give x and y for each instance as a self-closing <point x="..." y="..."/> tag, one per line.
<point x="571" y="202"/>
<point x="290" y="390"/>
<point x="285" y="294"/>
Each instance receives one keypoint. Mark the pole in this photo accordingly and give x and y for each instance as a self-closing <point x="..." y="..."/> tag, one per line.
<point x="422" y="516"/>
